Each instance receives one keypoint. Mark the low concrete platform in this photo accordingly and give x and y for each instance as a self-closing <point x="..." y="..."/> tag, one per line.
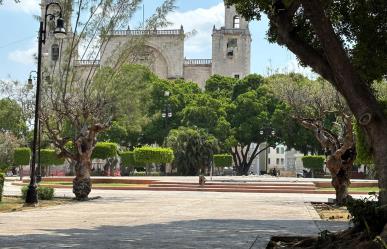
<point x="163" y="219"/>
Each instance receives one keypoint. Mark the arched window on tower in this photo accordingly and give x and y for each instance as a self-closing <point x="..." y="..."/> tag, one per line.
<point x="237" y="22"/>
<point x="55" y="52"/>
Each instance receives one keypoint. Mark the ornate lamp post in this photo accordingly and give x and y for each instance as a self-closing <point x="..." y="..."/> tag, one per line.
<point x="60" y="33"/>
<point x="167" y="114"/>
<point x="270" y="132"/>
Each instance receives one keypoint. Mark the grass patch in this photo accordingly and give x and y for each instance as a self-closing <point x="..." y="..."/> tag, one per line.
<point x="14" y="204"/>
<point x="361" y="189"/>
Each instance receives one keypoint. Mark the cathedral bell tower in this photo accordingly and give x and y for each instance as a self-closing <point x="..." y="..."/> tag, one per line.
<point x="231" y="46"/>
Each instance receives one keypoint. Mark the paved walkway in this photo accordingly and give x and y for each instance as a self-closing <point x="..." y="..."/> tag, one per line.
<point x="150" y="219"/>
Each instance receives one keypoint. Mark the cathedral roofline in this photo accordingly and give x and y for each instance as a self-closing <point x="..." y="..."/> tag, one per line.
<point x="139" y="32"/>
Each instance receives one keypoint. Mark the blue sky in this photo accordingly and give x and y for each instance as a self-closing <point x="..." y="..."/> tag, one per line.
<point x="19" y="30"/>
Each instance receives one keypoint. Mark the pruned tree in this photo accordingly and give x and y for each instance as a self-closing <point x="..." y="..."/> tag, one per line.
<point x="79" y="98"/>
<point x="318" y="107"/>
<point x="345" y="43"/>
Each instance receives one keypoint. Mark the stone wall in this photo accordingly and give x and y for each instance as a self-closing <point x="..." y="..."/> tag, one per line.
<point x="197" y="73"/>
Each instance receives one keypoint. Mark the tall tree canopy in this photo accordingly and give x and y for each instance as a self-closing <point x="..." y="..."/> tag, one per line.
<point x="343" y="41"/>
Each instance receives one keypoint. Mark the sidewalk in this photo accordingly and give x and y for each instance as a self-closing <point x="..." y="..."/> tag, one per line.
<point x="150" y="219"/>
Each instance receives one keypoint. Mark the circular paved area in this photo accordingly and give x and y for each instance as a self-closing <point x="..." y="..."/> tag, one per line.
<point x="158" y="219"/>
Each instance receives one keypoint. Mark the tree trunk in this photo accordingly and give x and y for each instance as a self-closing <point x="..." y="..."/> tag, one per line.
<point x="340" y="177"/>
<point x="82" y="181"/>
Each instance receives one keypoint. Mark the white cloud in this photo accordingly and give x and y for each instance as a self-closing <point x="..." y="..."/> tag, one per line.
<point x="293" y="66"/>
<point x="26" y="6"/>
<point x="25" y="56"/>
<point x="201" y="20"/>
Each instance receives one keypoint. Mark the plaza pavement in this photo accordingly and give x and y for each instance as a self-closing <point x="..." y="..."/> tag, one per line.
<point x="163" y="219"/>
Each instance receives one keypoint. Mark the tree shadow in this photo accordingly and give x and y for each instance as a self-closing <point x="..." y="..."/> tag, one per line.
<point x="204" y="233"/>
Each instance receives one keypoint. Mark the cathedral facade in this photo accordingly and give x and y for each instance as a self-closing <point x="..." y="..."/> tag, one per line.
<point x="163" y="52"/>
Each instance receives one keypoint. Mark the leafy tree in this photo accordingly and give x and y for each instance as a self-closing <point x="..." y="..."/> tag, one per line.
<point x="21" y="157"/>
<point x="222" y="160"/>
<point x="314" y="163"/>
<point x="181" y="94"/>
<point x="193" y="149"/>
<point x="82" y="99"/>
<point x="344" y="42"/>
<point x="8" y="144"/>
<point x="148" y="155"/>
<point x="106" y="151"/>
<point x="252" y="110"/>
<point x="128" y="162"/>
<point x="11" y="118"/>
<point x="319" y="108"/>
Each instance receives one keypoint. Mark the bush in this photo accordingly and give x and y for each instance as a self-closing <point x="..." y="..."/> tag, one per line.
<point x="222" y="160"/>
<point x="49" y="157"/>
<point x="153" y="155"/>
<point x="22" y="156"/>
<point x="2" y="178"/>
<point x="104" y="150"/>
<point x="315" y="163"/>
<point x="367" y="214"/>
<point x="139" y="173"/>
<point x="44" y="193"/>
<point x="127" y="159"/>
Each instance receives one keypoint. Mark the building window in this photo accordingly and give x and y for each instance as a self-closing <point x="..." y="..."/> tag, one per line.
<point x="268" y="161"/>
<point x="277" y="150"/>
<point x="236" y="76"/>
<point x="282" y="150"/>
<point x="232" y="43"/>
<point x="55" y="52"/>
<point x="278" y="161"/>
<point x="237" y="22"/>
<point x="282" y="161"/>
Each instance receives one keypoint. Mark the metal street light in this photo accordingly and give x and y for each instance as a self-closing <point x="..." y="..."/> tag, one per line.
<point x="268" y="131"/>
<point x="59" y="32"/>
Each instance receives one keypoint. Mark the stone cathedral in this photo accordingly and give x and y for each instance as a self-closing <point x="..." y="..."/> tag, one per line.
<point x="164" y="51"/>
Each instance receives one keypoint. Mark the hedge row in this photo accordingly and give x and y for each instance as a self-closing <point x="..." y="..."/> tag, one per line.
<point x="22" y="156"/>
<point x="2" y="178"/>
<point x="104" y="150"/>
<point x="50" y="157"/>
<point x="313" y="162"/>
<point x="127" y="159"/>
<point x="153" y="155"/>
<point x="222" y="160"/>
<point x="44" y="193"/>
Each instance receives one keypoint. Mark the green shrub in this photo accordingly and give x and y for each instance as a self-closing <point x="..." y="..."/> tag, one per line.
<point x="139" y="174"/>
<point x="315" y="163"/>
<point x="104" y="150"/>
<point x="154" y="174"/>
<point x="153" y="155"/>
<point x="49" y="157"/>
<point x="44" y="193"/>
<point x="22" y="156"/>
<point x="222" y="160"/>
<point x="127" y="159"/>
<point x="2" y="178"/>
<point x="367" y="214"/>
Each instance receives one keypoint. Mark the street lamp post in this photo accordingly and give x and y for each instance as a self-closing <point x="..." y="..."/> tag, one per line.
<point x="60" y="33"/>
<point x="167" y="114"/>
<point x="271" y="133"/>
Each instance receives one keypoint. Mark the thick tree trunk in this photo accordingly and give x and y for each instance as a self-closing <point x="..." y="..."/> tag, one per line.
<point x="82" y="181"/>
<point x="339" y="169"/>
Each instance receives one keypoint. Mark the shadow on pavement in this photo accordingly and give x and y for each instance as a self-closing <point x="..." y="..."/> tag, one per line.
<point x="204" y="234"/>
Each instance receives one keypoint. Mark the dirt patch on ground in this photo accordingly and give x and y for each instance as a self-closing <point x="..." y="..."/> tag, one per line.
<point x="14" y="204"/>
<point x="328" y="211"/>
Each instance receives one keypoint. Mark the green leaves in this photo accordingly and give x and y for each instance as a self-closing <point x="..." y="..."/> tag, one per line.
<point x="22" y="156"/>
<point x="104" y="150"/>
<point x="193" y="149"/>
<point x="222" y="160"/>
<point x="49" y="157"/>
<point x="313" y="162"/>
<point x="153" y="155"/>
